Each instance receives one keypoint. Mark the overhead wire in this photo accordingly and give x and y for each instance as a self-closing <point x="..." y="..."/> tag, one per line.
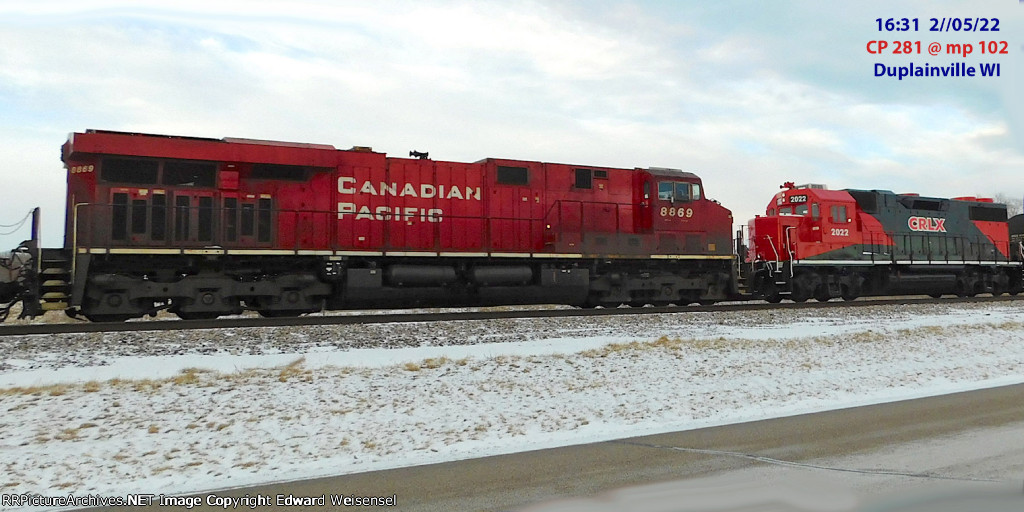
<point x="16" y="226"/>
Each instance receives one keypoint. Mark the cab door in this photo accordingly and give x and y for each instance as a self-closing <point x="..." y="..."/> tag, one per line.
<point x="643" y="190"/>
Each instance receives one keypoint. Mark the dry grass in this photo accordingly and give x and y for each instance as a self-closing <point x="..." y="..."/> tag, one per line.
<point x="68" y="434"/>
<point x="51" y="390"/>
<point x="663" y="343"/>
<point x="188" y="376"/>
<point x="295" y="369"/>
<point x="435" y="362"/>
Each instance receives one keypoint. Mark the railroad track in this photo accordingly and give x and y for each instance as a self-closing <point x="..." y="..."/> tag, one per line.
<point x="380" y="318"/>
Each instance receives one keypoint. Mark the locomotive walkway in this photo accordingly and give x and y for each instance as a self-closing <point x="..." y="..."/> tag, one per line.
<point x="449" y="316"/>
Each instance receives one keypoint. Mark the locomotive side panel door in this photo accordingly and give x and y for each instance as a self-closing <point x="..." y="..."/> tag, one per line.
<point x="192" y="219"/>
<point x="512" y="204"/>
<point x="255" y="221"/>
<point x="137" y="217"/>
<point x="459" y="211"/>
<point x="563" y="215"/>
<point x="534" y="209"/>
<point x="409" y="203"/>
<point x="315" y="214"/>
<point x="363" y="216"/>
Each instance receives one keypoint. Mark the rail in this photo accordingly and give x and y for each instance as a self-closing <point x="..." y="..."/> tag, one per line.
<point x="378" y="318"/>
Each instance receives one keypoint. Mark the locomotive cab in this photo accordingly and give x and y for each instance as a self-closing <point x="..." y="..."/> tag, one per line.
<point x="681" y="217"/>
<point x="802" y="222"/>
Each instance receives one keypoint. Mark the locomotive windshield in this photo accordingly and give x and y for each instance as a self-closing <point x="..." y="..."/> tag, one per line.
<point x="678" y="191"/>
<point x="800" y="209"/>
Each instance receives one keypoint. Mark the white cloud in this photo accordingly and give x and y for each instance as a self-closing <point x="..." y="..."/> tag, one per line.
<point x="748" y="103"/>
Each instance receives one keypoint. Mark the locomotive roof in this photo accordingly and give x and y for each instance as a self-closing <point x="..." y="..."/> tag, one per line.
<point x="669" y="172"/>
<point x="229" y="140"/>
<point x="919" y="197"/>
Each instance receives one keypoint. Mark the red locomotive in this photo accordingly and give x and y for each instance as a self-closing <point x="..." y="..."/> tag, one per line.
<point x="820" y="243"/>
<point x="209" y="227"/>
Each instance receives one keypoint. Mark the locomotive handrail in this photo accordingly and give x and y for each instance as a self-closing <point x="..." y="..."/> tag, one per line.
<point x="778" y="265"/>
<point x="74" y="240"/>
<point x="789" y="248"/>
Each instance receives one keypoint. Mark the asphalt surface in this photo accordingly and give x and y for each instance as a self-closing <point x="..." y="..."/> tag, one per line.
<point x="836" y="460"/>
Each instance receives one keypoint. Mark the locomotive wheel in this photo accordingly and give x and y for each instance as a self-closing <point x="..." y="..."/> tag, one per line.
<point x="800" y="294"/>
<point x="935" y="295"/>
<point x="274" y="313"/>
<point x="108" y="318"/>
<point x="821" y="294"/>
<point x="771" y="293"/>
<point x="804" y="286"/>
<point x="197" y="316"/>
<point x="847" y="294"/>
<point x="997" y="289"/>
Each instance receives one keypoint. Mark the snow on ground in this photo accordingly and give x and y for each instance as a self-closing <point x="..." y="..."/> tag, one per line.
<point x="189" y="411"/>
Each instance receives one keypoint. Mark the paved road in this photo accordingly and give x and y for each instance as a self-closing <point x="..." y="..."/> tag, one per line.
<point x="840" y="460"/>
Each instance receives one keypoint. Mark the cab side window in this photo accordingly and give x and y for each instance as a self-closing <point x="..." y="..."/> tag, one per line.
<point x="678" y="191"/>
<point x="666" y="190"/>
<point x="682" y="191"/>
<point x="839" y="214"/>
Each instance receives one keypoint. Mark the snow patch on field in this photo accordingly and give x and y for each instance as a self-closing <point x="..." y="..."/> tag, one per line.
<point x="193" y="420"/>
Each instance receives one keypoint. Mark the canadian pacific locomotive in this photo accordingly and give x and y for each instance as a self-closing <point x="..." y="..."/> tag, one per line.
<point x="211" y="227"/>
<point x="822" y="244"/>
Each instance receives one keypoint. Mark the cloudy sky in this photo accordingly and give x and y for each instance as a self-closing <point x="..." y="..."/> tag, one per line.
<point x="746" y="93"/>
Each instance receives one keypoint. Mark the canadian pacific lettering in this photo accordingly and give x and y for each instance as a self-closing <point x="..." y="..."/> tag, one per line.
<point x="366" y="190"/>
